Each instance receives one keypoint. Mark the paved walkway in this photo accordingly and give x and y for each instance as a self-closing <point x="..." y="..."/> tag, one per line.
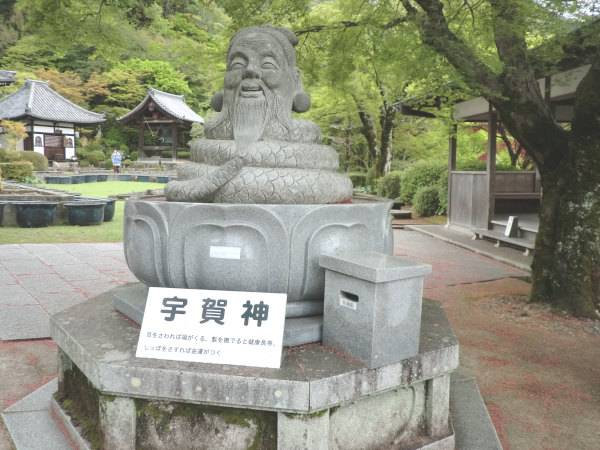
<point x="41" y="279"/>
<point x="515" y="365"/>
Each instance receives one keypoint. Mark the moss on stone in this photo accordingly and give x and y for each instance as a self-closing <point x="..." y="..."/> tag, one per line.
<point x="162" y="414"/>
<point x="81" y="400"/>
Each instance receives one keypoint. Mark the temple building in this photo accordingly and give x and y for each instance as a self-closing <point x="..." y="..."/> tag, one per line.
<point x="49" y="119"/>
<point x="7" y="77"/>
<point x="164" y="122"/>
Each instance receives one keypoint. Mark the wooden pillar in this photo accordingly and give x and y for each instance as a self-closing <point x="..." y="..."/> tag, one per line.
<point x="141" y="139"/>
<point x="491" y="165"/>
<point x="451" y="168"/>
<point x="174" y="141"/>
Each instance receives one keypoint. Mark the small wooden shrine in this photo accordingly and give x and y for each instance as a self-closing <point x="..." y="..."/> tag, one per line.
<point x="49" y="119"/>
<point x="164" y="121"/>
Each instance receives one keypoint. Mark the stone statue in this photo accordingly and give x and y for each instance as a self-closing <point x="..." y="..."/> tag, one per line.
<point x="255" y="151"/>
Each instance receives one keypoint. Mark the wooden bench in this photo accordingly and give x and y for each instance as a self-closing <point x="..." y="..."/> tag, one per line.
<point x="501" y="238"/>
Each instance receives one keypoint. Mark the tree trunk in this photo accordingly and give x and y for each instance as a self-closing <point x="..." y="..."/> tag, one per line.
<point x="384" y="160"/>
<point x="369" y="131"/>
<point x="566" y="260"/>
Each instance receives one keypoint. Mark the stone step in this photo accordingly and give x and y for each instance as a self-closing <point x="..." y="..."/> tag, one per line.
<point x="401" y="213"/>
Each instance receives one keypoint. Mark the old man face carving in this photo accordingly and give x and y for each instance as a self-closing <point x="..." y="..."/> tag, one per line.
<point x="261" y="81"/>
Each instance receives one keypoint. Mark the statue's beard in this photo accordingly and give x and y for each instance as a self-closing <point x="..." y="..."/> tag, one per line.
<point x="248" y="120"/>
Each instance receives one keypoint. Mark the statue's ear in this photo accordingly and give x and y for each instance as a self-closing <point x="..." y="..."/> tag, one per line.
<point x="301" y="102"/>
<point x="216" y="102"/>
<point x="301" y="99"/>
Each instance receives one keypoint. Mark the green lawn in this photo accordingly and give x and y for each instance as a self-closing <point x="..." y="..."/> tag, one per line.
<point x="107" y="232"/>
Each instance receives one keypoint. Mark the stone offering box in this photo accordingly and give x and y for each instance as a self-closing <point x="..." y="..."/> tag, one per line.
<point x="373" y="306"/>
<point x="318" y="399"/>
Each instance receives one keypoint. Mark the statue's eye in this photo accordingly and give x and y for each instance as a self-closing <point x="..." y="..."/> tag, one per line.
<point x="237" y="65"/>
<point x="269" y="65"/>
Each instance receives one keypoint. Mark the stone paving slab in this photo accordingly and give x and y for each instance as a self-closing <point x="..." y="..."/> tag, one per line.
<point x="24" y="322"/>
<point x="41" y="279"/>
<point x="451" y="264"/>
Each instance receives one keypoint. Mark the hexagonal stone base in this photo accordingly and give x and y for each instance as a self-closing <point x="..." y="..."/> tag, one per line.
<point x="319" y="398"/>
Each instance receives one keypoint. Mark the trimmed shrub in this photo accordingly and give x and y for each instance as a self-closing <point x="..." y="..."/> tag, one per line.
<point x="16" y="170"/>
<point x="133" y="156"/>
<point x="39" y="161"/>
<point x="421" y="174"/>
<point x="357" y="178"/>
<point x="167" y="154"/>
<point x="471" y="165"/>
<point x="426" y="201"/>
<point x="127" y="163"/>
<point x="443" y="196"/>
<point x="389" y="185"/>
<point x="370" y="180"/>
<point x="84" y="163"/>
<point x="108" y="164"/>
<point x="183" y="155"/>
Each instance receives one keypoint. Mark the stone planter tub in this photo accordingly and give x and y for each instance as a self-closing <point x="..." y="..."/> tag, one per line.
<point x="85" y="212"/>
<point x="52" y="179"/>
<point x="91" y="178"/>
<point x="109" y="209"/>
<point x="143" y="178"/>
<point x="124" y="177"/>
<point x="162" y="179"/>
<point x="2" y="211"/>
<point x="35" y="214"/>
<point x="103" y="177"/>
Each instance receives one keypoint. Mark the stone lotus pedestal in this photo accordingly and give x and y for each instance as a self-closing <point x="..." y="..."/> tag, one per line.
<point x="256" y="248"/>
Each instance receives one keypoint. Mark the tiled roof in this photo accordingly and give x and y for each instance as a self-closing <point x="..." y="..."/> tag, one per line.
<point x="7" y="77"/>
<point x="172" y="104"/>
<point x="37" y="100"/>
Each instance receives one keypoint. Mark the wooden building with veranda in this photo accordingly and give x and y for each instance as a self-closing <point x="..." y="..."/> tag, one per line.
<point x="163" y="122"/>
<point x="485" y="202"/>
<point x="50" y="119"/>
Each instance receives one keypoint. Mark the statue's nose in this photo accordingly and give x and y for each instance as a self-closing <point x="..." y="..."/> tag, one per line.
<point x="250" y="72"/>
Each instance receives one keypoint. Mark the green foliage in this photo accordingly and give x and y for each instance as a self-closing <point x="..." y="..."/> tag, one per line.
<point x="426" y="201"/>
<point x="183" y="155"/>
<point x="16" y="170"/>
<point x="422" y="174"/>
<point x="29" y="180"/>
<point x="358" y="178"/>
<point x="127" y="163"/>
<point x="167" y="154"/>
<point x="370" y="180"/>
<point x="389" y="185"/>
<point x="39" y="161"/>
<point x="108" y="164"/>
<point x="134" y="156"/>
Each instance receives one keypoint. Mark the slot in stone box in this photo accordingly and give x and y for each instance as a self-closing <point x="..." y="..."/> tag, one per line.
<point x="373" y="306"/>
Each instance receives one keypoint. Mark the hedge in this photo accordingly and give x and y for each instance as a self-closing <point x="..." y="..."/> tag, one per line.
<point x="426" y="201"/>
<point x="358" y="178"/>
<point x="389" y="185"/>
<point x="16" y="170"/>
<point x="39" y="161"/>
<point x="421" y="174"/>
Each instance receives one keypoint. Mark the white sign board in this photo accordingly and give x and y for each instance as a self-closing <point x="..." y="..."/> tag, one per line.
<point x="219" y="327"/>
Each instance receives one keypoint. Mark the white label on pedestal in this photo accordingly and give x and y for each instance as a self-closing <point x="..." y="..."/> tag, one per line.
<point x="225" y="252"/>
<point x="219" y="327"/>
<point x="348" y="303"/>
